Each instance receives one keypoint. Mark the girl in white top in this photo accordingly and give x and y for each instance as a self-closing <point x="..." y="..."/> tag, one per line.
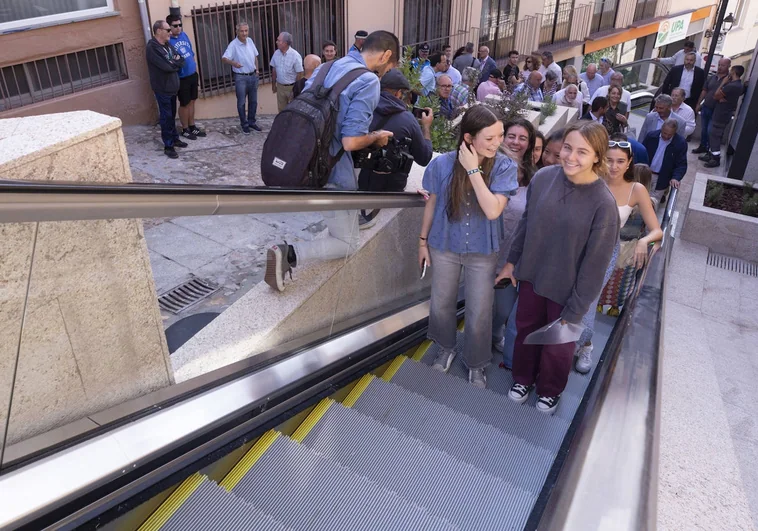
<point x="629" y="194"/>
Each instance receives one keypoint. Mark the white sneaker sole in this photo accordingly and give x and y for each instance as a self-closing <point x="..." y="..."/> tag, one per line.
<point x="273" y="276"/>
<point x="519" y="399"/>
<point x="548" y="411"/>
<point x="442" y="368"/>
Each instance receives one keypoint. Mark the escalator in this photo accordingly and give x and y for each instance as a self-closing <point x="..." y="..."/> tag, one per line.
<point x="404" y="447"/>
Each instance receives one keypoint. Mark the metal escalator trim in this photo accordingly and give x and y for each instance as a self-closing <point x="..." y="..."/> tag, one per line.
<point x="422" y="349"/>
<point x="304" y="429"/>
<point x="172" y="503"/>
<point x="357" y="391"/>
<point x="393" y="368"/>
<point x="250" y="458"/>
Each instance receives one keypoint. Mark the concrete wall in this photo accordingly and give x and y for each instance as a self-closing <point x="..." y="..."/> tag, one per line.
<point x="93" y="335"/>
<point x="132" y="100"/>
<point x="744" y="33"/>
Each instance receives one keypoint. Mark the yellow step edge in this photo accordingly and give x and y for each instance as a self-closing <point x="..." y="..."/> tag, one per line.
<point x="311" y="420"/>
<point x="461" y="325"/>
<point x="357" y="391"/>
<point x="251" y="457"/>
<point x="393" y="368"/>
<point x="172" y="503"/>
<point x="422" y="350"/>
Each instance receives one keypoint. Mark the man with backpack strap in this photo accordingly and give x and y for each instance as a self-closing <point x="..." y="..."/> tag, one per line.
<point x="356" y="103"/>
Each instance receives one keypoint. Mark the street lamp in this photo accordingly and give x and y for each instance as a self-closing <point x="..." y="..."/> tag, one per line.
<point x="728" y="23"/>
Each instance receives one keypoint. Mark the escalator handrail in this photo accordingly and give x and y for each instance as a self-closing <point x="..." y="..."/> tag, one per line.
<point x="609" y="471"/>
<point x="22" y="202"/>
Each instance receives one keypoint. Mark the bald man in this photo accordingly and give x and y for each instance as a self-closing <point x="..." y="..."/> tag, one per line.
<point x="310" y="63"/>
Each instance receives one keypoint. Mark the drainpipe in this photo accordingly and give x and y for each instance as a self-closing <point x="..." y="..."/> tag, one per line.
<point x="146" y="26"/>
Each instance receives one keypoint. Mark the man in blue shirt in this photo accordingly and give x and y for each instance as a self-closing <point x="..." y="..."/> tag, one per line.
<point x="422" y="57"/>
<point x="242" y="56"/>
<point x="187" y="78"/>
<point x="360" y="38"/>
<point x="380" y="53"/>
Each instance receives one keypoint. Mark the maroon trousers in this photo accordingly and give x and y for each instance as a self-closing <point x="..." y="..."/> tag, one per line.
<point x="546" y="365"/>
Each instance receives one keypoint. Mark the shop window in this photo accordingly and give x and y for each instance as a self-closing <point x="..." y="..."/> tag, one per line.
<point x="15" y="14"/>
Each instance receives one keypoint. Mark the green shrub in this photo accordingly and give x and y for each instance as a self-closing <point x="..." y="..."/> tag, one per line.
<point x="549" y="107"/>
<point x="750" y="206"/>
<point x="714" y="193"/>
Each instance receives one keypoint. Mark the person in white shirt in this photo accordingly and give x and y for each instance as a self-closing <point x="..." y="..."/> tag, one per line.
<point x="448" y="70"/>
<point x="678" y="58"/>
<point x="617" y="79"/>
<point x="571" y="77"/>
<point x="592" y="79"/>
<point x="569" y="97"/>
<point x="683" y="110"/>
<point x="605" y="70"/>
<point x="286" y="69"/>
<point x="597" y="110"/>
<point x="549" y="64"/>
<point x="242" y="56"/>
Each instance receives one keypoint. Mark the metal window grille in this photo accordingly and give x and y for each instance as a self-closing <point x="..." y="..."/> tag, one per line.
<point x="498" y="24"/>
<point x="556" y="22"/>
<point x="604" y="16"/>
<point x="645" y="9"/>
<point x="311" y="22"/>
<point x="426" y="20"/>
<point x="60" y="75"/>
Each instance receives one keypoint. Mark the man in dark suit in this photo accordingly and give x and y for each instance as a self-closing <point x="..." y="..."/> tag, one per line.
<point x="487" y="64"/>
<point x="667" y="150"/>
<point x="688" y="77"/>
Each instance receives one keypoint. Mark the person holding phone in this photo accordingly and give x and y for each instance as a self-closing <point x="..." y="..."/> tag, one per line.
<point x="462" y="231"/>
<point x="562" y="247"/>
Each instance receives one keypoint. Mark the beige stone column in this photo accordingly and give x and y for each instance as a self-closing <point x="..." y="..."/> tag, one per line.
<point x="92" y="336"/>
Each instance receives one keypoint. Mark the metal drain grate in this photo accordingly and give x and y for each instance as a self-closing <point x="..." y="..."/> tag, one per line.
<point x="186" y="295"/>
<point x="732" y="264"/>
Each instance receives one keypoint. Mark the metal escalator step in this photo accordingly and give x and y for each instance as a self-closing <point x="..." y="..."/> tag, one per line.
<point x="520" y="420"/>
<point x="500" y="380"/>
<point x="501" y="454"/>
<point x="305" y="490"/>
<point x="457" y="491"/>
<point x="211" y="508"/>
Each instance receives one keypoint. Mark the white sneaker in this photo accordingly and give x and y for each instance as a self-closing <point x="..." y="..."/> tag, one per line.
<point x="584" y="363"/>
<point x="477" y="378"/>
<point x="444" y="360"/>
<point x="548" y="404"/>
<point x="520" y="393"/>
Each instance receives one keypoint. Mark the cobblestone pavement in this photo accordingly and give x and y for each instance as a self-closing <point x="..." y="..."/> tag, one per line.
<point x="228" y="250"/>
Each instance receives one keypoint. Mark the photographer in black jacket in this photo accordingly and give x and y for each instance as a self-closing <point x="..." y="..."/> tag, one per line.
<point x="163" y="65"/>
<point x="392" y="114"/>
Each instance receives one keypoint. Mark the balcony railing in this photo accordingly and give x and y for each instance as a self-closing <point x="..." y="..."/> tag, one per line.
<point x="645" y="9"/>
<point x="566" y="24"/>
<point x="604" y="16"/>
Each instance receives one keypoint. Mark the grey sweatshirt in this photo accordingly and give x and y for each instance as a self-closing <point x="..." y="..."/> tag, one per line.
<point x="565" y="239"/>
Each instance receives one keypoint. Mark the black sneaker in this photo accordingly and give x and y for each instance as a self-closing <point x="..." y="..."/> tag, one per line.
<point x="519" y="393"/>
<point x="366" y="220"/>
<point x="714" y="162"/>
<point x="705" y="157"/>
<point x="548" y="404"/>
<point x="186" y="133"/>
<point x="179" y="143"/>
<point x="700" y="149"/>
<point x="170" y="153"/>
<point x="256" y="127"/>
<point x="246" y="130"/>
<point x="197" y="132"/>
<point x="277" y="266"/>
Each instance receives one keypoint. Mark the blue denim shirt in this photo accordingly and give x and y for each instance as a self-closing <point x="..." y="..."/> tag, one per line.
<point x="357" y="104"/>
<point x="473" y="233"/>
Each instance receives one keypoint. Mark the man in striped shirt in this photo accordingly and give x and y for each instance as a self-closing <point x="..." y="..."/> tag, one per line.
<point x="286" y="69"/>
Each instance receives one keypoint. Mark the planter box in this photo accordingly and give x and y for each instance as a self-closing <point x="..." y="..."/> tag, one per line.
<point x="556" y="121"/>
<point x="723" y="232"/>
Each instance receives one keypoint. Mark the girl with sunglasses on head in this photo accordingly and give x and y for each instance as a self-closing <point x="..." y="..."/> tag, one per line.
<point x="461" y="232"/>
<point x="629" y="194"/>
<point x="562" y="247"/>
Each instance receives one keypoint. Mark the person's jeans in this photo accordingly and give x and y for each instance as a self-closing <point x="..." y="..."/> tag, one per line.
<point x="343" y="239"/>
<point x="479" y="279"/>
<point x="246" y="88"/>
<point x="504" y="300"/>
<point x="546" y="365"/>
<point x="167" y="112"/>
<point x="706" y="114"/>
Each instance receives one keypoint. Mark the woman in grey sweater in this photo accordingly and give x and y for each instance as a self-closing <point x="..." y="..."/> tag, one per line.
<point x="559" y="254"/>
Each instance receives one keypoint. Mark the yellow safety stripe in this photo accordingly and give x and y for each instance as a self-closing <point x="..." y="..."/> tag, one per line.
<point x="421" y="350"/>
<point x="461" y="325"/>
<point x="357" y="391"/>
<point x="172" y="503"/>
<point x="251" y="457"/>
<point x="311" y="420"/>
<point x="393" y="368"/>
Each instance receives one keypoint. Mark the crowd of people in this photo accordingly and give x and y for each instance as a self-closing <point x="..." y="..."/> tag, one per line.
<point x="532" y="223"/>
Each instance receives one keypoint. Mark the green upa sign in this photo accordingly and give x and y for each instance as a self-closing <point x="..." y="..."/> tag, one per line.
<point x="672" y="30"/>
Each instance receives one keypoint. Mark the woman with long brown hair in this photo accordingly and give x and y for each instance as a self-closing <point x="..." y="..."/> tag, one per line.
<point x="559" y="254"/>
<point x="616" y="117"/>
<point x="462" y="231"/>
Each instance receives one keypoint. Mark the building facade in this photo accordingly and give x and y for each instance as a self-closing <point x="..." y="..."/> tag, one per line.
<point x="65" y="55"/>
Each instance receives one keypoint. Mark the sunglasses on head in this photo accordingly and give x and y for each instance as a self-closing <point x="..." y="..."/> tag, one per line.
<point x="622" y="144"/>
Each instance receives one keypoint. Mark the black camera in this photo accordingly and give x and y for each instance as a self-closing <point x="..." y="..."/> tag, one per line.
<point x="395" y="157"/>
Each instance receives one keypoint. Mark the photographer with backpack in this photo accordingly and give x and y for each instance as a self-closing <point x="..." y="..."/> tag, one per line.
<point x="342" y="99"/>
<point x="412" y="136"/>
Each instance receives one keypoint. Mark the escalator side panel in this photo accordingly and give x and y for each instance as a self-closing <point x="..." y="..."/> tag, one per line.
<point x="418" y="472"/>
